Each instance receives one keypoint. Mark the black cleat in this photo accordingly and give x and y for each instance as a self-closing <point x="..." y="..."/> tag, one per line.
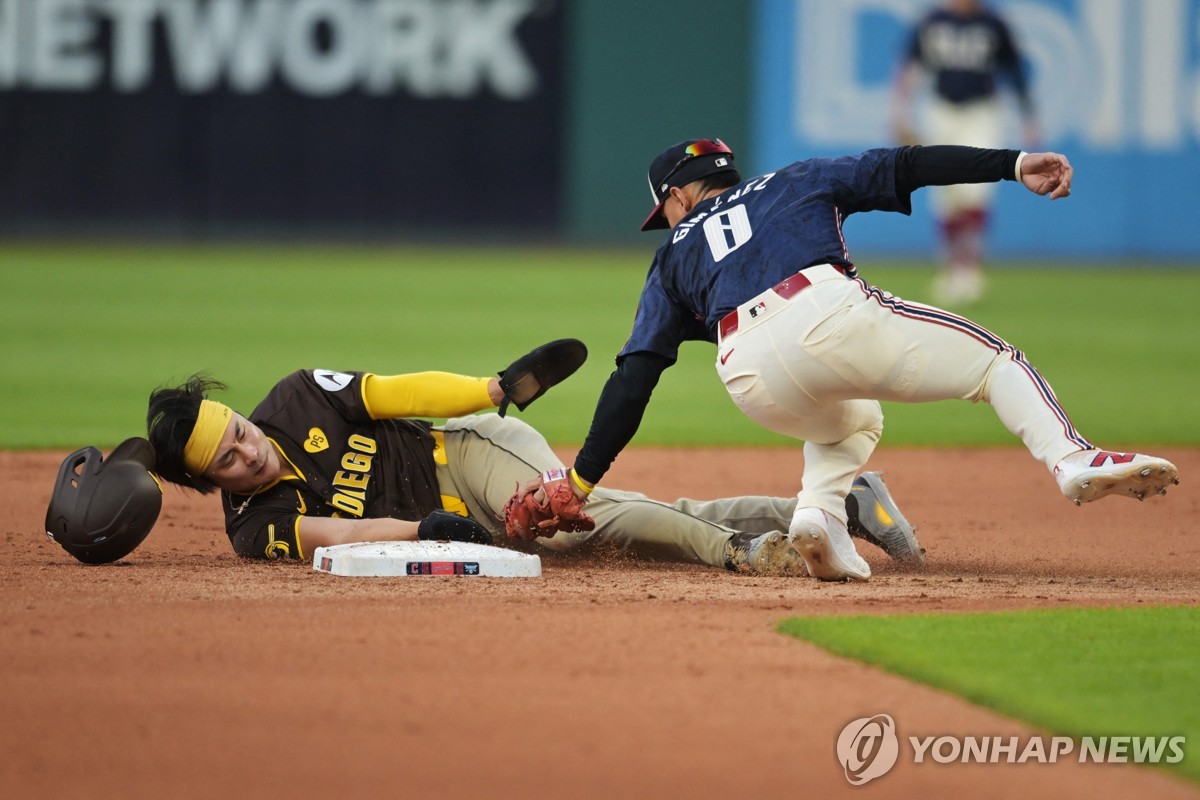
<point x="874" y="517"/>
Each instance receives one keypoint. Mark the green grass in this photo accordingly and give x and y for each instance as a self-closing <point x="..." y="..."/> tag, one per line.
<point x="88" y="331"/>
<point x="1076" y="672"/>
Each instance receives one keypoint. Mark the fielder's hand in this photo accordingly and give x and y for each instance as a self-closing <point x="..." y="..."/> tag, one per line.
<point x="544" y="506"/>
<point x="1047" y="173"/>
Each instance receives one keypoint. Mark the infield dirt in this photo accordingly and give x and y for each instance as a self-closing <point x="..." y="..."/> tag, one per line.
<point x="184" y="672"/>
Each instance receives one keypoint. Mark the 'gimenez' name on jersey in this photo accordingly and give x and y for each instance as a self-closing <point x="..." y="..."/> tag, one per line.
<point x="752" y="236"/>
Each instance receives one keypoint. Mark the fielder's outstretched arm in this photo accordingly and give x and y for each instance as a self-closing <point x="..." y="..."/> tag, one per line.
<point x="945" y="165"/>
<point x="619" y="412"/>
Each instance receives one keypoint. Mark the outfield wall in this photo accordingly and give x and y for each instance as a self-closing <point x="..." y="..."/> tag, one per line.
<point x="231" y="116"/>
<point x="536" y="118"/>
<point x="647" y="75"/>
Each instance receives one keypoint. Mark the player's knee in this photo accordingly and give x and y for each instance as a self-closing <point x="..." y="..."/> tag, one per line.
<point x="999" y="365"/>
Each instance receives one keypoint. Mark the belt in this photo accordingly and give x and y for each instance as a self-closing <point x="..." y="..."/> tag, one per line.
<point x="786" y="288"/>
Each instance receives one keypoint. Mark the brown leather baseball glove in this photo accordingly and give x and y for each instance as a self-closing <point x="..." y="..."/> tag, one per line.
<point x="525" y="518"/>
<point x="544" y="506"/>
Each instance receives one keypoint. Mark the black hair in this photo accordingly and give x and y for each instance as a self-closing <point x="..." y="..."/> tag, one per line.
<point x="719" y="180"/>
<point x="170" y="420"/>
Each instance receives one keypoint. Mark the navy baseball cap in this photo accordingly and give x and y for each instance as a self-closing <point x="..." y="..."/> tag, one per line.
<point x="679" y="165"/>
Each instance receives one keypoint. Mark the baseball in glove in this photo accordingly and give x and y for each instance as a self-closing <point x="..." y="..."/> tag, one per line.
<point x="544" y="506"/>
<point x="528" y="378"/>
<point x="446" y="526"/>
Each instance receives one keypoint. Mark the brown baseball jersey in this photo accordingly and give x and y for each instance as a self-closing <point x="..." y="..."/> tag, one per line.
<point x="347" y="464"/>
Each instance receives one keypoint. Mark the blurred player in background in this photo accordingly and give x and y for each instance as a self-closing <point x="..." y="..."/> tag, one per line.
<point x="966" y="50"/>
<point x="336" y="457"/>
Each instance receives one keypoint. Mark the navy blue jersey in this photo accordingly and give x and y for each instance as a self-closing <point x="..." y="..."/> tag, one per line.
<point x="966" y="53"/>
<point x="752" y="236"/>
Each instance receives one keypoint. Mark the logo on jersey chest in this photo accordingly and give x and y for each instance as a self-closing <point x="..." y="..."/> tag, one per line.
<point x="317" y="441"/>
<point x="950" y="46"/>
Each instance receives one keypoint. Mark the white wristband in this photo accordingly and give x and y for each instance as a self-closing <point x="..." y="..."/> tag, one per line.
<point x="1017" y="169"/>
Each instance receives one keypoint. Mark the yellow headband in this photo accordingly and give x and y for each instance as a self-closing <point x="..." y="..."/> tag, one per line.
<point x="206" y="437"/>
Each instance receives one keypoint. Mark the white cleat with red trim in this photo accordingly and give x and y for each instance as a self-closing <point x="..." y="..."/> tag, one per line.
<point x="1088" y="475"/>
<point x="826" y="547"/>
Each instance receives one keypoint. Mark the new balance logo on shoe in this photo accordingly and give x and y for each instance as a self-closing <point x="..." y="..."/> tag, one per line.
<point x="1115" y="458"/>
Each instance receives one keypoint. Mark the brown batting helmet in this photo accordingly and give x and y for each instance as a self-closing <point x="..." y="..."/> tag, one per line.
<point x="103" y="508"/>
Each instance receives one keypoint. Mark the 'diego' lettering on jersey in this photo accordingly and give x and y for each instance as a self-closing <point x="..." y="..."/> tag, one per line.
<point x="352" y="479"/>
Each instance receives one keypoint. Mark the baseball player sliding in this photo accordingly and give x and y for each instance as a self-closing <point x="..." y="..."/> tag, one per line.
<point x="806" y="348"/>
<point x="335" y="457"/>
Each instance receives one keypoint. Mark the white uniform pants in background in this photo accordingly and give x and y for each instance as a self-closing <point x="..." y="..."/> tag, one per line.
<point x="814" y="368"/>
<point x="976" y="124"/>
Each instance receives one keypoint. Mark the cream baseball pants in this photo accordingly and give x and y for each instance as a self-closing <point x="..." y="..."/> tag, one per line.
<point x="814" y="367"/>
<point x="486" y="456"/>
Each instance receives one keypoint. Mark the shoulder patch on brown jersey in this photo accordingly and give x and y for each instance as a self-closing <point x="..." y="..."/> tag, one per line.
<point x="332" y="381"/>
